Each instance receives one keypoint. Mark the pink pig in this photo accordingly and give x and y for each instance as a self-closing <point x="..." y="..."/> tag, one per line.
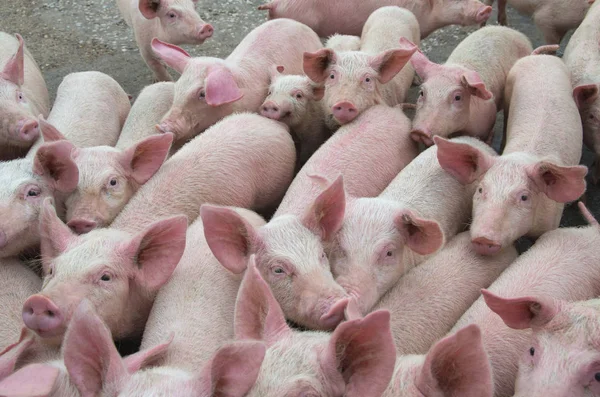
<point x="343" y="42"/>
<point x="211" y="88"/>
<point x="522" y="192"/>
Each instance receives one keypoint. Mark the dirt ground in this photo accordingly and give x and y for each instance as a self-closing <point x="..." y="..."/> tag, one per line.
<point x="77" y="35"/>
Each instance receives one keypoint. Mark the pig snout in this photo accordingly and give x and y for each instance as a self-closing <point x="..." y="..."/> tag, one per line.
<point x="344" y="112"/>
<point x="3" y="239"/>
<point x="42" y="316"/>
<point x="81" y="226"/>
<point x="334" y="313"/>
<point x="422" y="135"/>
<point x="483" y="14"/>
<point x="270" y="110"/>
<point x="484" y="246"/>
<point x="28" y="130"/>
<point x="205" y="31"/>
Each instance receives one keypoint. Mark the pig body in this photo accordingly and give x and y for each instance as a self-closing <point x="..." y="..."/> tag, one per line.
<point x="325" y="18"/>
<point x="211" y="88"/>
<point x="172" y="21"/>
<point x="343" y="42"/>
<point x="464" y="95"/>
<point x="23" y="97"/>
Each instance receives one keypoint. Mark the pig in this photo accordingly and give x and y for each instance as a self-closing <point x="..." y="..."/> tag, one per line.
<point x="362" y="158"/>
<point x="554" y="18"/>
<point x="172" y="21"/>
<point x="121" y="286"/>
<point x="326" y="19"/>
<point x="245" y="160"/>
<point x="211" y="88"/>
<point x="463" y="95"/>
<point x="544" y="270"/>
<point x="357" y="80"/>
<point x="582" y="57"/>
<point x="522" y="192"/>
<point x="23" y="97"/>
<point x="341" y="43"/>
<point x="294" y="100"/>
<point x="383" y="237"/>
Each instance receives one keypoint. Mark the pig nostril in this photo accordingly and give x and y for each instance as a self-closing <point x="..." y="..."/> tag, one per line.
<point x="50" y="313"/>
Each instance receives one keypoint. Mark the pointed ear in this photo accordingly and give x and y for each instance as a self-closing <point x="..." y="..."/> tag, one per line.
<point x="389" y="63"/>
<point x="175" y="57"/>
<point x="13" y="353"/>
<point x="144" y="358"/>
<point x="423" y="66"/>
<point x="90" y="355"/>
<point x="14" y="70"/>
<point x="326" y="215"/>
<point x="316" y="64"/>
<point x="258" y="315"/>
<point x="472" y="82"/>
<point x="32" y="380"/>
<point x="584" y="95"/>
<point x="49" y="132"/>
<point x="145" y="157"/>
<point x="421" y="235"/>
<point x="352" y="311"/>
<point x="149" y="8"/>
<point x="318" y="92"/>
<point x="363" y="352"/>
<point x="457" y="366"/>
<point x="461" y="160"/>
<point x="54" y="162"/>
<point x="157" y="251"/>
<point x="55" y="235"/>
<point x="561" y="184"/>
<point x="522" y="313"/>
<point x="221" y="88"/>
<point x="230" y="237"/>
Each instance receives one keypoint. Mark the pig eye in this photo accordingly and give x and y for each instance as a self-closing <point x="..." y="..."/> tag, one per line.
<point x="105" y="277"/>
<point x="20" y="96"/>
<point x="457" y="97"/>
<point x="278" y="270"/>
<point x="524" y="197"/>
<point x="172" y="15"/>
<point x="389" y="254"/>
<point x="532" y="351"/>
<point x="32" y="192"/>
<point x="480" y="190"/>
<point x="50" y="270"/>
<point x="597" y="377"/>
<point x="421" y="93"/>
<point x="269" y="93"/>
<point x="299" y="95"/>
<point x="113" y="182"/>
<point x="332" y="76"/>
<point x="368" y="80"/>
<point x="203" y="94"/>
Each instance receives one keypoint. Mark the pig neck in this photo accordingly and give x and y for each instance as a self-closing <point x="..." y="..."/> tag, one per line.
<point x="481" y="113"/>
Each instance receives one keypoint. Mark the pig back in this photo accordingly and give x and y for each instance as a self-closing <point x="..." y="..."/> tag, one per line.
<point x="582" y="56"/>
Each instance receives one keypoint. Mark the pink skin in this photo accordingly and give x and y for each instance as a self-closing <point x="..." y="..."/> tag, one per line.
<point x="588" y="103"/>
<point x="463" y="96"/>
<point x="120" y="271"/>
<point x="327" y="20"/>
<point x="311" y="212"/>
<point x="211" y="88"/>
<point x="246" y="161"/>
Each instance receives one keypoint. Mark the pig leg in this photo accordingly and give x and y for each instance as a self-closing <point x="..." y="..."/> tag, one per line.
<point x="545" y="23"/>
<point x="501" y="12"/>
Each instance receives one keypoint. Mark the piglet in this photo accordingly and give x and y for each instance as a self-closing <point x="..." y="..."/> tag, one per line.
<point x="172" y="21"/>
<point x="343" y="42"/>
<point x="463" y="95"/>
<point x="23" y="97"/>
<point x="211" y="88"/>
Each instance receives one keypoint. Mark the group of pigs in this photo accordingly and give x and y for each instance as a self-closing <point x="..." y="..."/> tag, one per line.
<point x="143" y="220"/>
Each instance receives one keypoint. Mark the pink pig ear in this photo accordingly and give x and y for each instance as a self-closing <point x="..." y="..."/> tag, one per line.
<point x="522" y="313"/>
<point x="326" y="215"/>
<point x="145" y="157"/>
<point x="221" y="88"/>
<point x="55" y="235"/>
<point x="89" y="353"/>
<point x="363" y="352"/>
<point x="561" y="184"/>
<point x="54" y="162"/>
<point x="149" y="8"/>
<point x="144" y="358"/>
<point x="14" y="70"/>
<point x="423" y="66"/>
<point x="315" y="64"/>
<point x="421" y="235"/>
<point x="276" y="71"/>
<point x="49" y="132"/>
<point x="457" y="366"/>
<point x="230" y="237"/>
<point x="472" y="82"/>
<point x="32" y="380"/>
<point x="258" y="315"/>
<point x="585" y="95"/>
<point x="175" y="57"/>
<point x="391" y="62"/>
<point x="13" y="353"/>
<point x="318" y="92"/>
<point x="461" y="160"/>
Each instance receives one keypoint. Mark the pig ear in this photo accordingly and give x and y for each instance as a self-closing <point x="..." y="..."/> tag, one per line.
<point x="584" y="95"/>
<point x="423" y="66"/>
<point x="14" y="70"/>
<point x="55" y="235"/>
<point x="422" y="235"/>
<point x="221" y="88"/>
<point x="175" y="57"/>
<point x="326" y="215"/>
<point x="457" y="366"/>
<point x="316" y="64"/>
<point x="149" y="8"/>
<point x="12" y="353"/>
<point x="230" y="237"/>
<point x="49" y="132"/>
<point x="391" y="62"/>
<point x="522" y="313"/>
<point x="144" y="358"/>
<point x="352" y="311"/>
<point x="461" y="160"/>
<point x="363" y="352"/>
<point x="32" y="380"/>
<point x="561" y="184"/>
<point x="54" y="162"/>
<point x="89" y="353"/>
<point x="258" y="315"/>
<point x="472" y="82"/>
<point x="318" y="91"/>
<point x="145" y="157"/>
<point x="276" y="71"/>
<point x="157" y="251"/>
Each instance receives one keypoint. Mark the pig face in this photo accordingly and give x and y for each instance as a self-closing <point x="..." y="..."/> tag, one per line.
<point x="376" y="245"/>
<point x="563" y="358"/>
<point x="179" y="20"/>
<point x="290" y="255"/>
<point x="118" y="273"/>
<point x="510" y="190"/>
<point x="290" y="97"/>
<point x="203" y="94"/>
<point x="353" y="80"/>
<point x="462" y="12"/>
<point x="19" y="127"/>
